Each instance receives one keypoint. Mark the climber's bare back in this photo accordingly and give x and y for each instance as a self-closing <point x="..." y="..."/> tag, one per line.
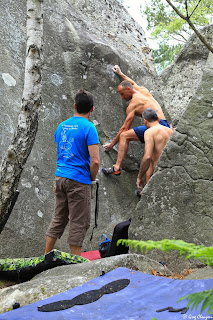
<point x="141" y="100"/>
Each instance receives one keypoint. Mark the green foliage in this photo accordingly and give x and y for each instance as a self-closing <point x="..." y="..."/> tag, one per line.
<point x="196" y="298"/>
<point x="165" y="55"/>
<point x="204" y="254"/>
<point x="163" y="21"/>
<point x="171" y="30"/>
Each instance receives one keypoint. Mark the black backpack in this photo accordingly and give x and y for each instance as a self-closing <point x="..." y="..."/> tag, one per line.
<point x="120" y="232"/>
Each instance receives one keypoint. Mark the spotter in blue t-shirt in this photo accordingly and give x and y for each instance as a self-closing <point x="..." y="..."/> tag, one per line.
<point x="73" y="137"/>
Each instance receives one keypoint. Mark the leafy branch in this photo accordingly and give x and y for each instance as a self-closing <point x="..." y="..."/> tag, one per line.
<point x="170" y="30"/>
<point x="187" y="19"/>
<point x="193" y="9"/>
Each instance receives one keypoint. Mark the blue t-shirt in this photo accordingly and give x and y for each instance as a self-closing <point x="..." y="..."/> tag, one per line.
<point x="73" y="137"/>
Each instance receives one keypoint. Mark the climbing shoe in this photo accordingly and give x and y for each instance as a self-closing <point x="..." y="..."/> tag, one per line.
<point x="138" y="193"/>
<point x="111" y="170"/>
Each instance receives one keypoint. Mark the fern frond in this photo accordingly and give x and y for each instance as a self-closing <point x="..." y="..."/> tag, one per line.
<point x="195" y="299"/>
<point x="190" y="250"/>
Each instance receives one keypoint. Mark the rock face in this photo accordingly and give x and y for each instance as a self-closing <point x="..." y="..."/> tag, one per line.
<point x="177" y="201"/>
<point x="182" y="78"/>
<point x="82" y="42"/>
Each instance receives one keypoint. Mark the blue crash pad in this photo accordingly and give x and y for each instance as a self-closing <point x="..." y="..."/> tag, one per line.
<point x="138" y="301"/>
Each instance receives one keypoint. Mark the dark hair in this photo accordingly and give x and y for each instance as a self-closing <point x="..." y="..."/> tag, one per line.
<point x="150" y="115"/>
<point x="84" y="101"/>
<point x="126" y="84"/>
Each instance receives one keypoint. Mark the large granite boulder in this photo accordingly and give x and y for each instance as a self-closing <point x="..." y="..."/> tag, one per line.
<point x="181" y="79"/>
<point x="82" y="42"/>
<point x="177" y="201"/>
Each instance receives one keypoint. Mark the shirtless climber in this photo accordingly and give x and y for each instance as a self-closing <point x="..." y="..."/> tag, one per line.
<point x="155" y="137"/>
<point x="141" y="99"/>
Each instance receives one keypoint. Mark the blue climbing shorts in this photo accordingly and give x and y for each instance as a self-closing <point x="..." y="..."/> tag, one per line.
<point x="140" y="130"/>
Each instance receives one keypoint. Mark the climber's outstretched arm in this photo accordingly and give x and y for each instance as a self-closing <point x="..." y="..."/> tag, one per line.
<point x="118" y="71"/>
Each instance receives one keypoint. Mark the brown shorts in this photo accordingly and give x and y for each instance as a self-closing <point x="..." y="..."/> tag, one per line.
<point x="72" y="205"/>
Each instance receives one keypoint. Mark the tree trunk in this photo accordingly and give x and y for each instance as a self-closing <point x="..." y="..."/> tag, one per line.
<point x="23" y="140"/>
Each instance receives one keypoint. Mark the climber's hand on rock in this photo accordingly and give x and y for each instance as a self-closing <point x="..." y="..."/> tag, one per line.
<point x="116" y="69"/>
<point x="107" y="147"/>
